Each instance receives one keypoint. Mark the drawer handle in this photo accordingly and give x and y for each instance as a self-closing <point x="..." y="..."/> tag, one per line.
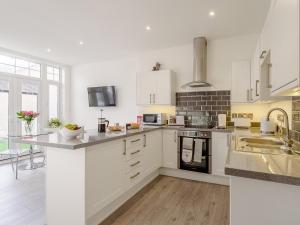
<point x="135" y="175"/>
<point x="135" y="140"/>
<point x="124" y="152"/>
<point x="132" y="153"/>
<point x="136" y="163"/>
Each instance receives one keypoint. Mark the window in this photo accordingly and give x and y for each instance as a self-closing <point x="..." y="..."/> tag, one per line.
<point x="53" y="101"/>
<point x="53" y="73"/>
<point x="18" y="66"/>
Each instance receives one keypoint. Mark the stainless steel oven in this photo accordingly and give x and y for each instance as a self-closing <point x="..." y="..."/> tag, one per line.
<point x="194" y="150"/>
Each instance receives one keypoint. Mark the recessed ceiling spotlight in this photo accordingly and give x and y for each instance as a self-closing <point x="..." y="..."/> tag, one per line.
<point x="48" y="50"/>
<point x="148" y="28"/>
<point x="81" y="42"/>
<point x="212" y="13"/>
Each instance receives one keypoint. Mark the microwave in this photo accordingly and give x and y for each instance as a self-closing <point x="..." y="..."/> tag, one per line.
<point x="155" y="119"/>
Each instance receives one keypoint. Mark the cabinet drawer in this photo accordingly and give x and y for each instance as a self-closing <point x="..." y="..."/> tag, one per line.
<point x="135" y="141"/>
<point x="133" y="152"/>
<point x="135" y="176"/>
<point x="133" y="164"/>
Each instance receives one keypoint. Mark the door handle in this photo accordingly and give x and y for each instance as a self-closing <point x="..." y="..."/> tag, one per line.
<point x="269" y="74"/>
<point x="136" y="163"/>
<point x="150" y="98"/>
<point x="256" y="88"/>
<point x="136" y="140"/>
<point x="175" y="136"/>
<point x="145" y="140"/>
<point x="124" y="152"/>
<point x="133" y="153"/>
<point x="248" y="94"/>
<point x="154" y="98"/>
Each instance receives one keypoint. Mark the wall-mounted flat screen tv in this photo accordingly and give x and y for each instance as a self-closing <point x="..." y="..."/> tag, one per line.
<point x="102" y="96"/>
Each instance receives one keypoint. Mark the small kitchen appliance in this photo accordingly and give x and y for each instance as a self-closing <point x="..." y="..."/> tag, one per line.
<point x="267" y="126"/>
<point x="102" y="125"/>
<point x="155" y="119"/>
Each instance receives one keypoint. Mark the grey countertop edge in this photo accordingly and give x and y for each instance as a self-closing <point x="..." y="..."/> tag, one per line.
<point x="82" y="145"/>
<point x="263" y="176"/>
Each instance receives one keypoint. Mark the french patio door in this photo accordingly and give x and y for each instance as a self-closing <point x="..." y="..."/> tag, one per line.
<point x="17" y="94"/>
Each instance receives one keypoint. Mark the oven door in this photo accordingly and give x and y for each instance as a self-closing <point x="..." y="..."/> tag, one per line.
<point x="150" y="118"/>
<point x="195" y="154"/>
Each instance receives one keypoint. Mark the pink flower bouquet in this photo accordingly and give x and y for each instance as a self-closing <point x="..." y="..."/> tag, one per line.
<point x="27" y="116"/>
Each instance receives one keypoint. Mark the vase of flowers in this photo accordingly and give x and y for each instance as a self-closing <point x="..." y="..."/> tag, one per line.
<point x="28" y="117"/>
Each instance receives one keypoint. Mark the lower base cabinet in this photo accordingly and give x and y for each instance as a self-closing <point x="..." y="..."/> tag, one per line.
<point x="170" y="149"/>
<point x="220" y="147"/>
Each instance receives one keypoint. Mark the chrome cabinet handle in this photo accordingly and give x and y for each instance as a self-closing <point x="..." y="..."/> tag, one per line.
<point x="136" y="140"/>
<point x="124" y="152"/>
<point x="175" y="136"/>
<point x="248" y="94"/>
<point x="145" y="140"/>
<point x="262" y="55"/>
<point x="154" y="98"/>
<point x="269" y="74"/>
<point x="136" y="163"/>
<point x="150" y="98"/>
<point x="135" y="175"/>
<point x="133" y="153"/>
<point x="256" y="88"/>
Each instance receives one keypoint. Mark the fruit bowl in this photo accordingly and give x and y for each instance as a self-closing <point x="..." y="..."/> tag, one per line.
<point x="69" y="133"/>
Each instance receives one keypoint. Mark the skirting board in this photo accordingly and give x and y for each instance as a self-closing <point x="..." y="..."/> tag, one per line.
<point x="209" y="178"/>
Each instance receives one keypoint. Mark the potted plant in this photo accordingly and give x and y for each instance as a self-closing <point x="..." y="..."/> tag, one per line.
<point x="28" y="117"/>
<point x="53" y="125"/>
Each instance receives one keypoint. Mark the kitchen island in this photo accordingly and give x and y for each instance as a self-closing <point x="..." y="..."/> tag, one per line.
<point x="90" y="177"/>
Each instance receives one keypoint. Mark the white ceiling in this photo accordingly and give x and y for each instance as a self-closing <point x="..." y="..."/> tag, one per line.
<point x="116" y="28"/>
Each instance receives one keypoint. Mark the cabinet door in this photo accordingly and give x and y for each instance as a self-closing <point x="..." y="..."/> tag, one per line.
<point x="146" y="87"/>
<point x="220" y="147"/>
<point x="105" y="174"/>
<point x="284" y="50"/>
<point x="163" y="93"/>
<point x="170" y="149"/>
<point x="152" y="152"/>
<point x="240" y="81"/>
<point x="255" y="74"/>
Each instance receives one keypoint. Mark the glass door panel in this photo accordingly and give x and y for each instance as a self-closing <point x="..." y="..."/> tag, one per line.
<point x="4" y="115"/>
<point x="30" y="102"/>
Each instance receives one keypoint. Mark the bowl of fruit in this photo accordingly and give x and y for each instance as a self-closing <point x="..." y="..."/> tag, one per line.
<point x="70" y="131"/>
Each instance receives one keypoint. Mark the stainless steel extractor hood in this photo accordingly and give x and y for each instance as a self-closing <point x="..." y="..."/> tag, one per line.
<point x="199" y="69"/>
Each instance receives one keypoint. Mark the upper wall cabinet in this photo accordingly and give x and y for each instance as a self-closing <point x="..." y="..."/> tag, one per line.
<point x="156" y="88"/>
<point x="280" y="42"/>
<point x="255" y="90"/>
<point x="240" y="82"/>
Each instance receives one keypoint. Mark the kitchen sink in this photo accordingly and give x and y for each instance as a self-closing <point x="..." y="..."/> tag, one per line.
<point x="262" y="145"/>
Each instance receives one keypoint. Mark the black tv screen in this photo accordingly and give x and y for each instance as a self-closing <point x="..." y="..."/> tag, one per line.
<point x="102" y="96"/>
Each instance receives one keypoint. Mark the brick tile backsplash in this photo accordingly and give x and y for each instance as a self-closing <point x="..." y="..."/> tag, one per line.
<point x="200" y="103"/>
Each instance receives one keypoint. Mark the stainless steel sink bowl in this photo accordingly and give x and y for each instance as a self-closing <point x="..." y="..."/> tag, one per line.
<point x="262" y="145"/>
<point x="262" y="141"/>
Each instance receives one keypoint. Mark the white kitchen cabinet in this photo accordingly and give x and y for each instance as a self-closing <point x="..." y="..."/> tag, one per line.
<point x="105" y="174"/>
<point x="170" y="149"/>
<point x="240" y="82"/>
<point x="280" y="39"/>
<point x="156" y="88"/>
<point x="152" y="152"/>
<point x="220" y="148"/>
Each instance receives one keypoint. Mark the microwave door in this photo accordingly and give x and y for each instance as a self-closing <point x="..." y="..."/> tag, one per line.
<point x="150" y="118"/>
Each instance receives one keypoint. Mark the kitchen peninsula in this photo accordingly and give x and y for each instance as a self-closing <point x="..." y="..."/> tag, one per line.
<point x="90" y="177"/>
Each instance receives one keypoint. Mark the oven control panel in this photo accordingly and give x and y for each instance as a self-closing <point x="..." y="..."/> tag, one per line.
<point x="194" y="133"/>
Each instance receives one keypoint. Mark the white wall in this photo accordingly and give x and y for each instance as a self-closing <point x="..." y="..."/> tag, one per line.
<point x="122" y="73"/>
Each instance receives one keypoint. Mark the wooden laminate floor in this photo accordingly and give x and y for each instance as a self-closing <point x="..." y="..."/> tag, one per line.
<point x="22" y="201"/>
<point x="173" y="201"/>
